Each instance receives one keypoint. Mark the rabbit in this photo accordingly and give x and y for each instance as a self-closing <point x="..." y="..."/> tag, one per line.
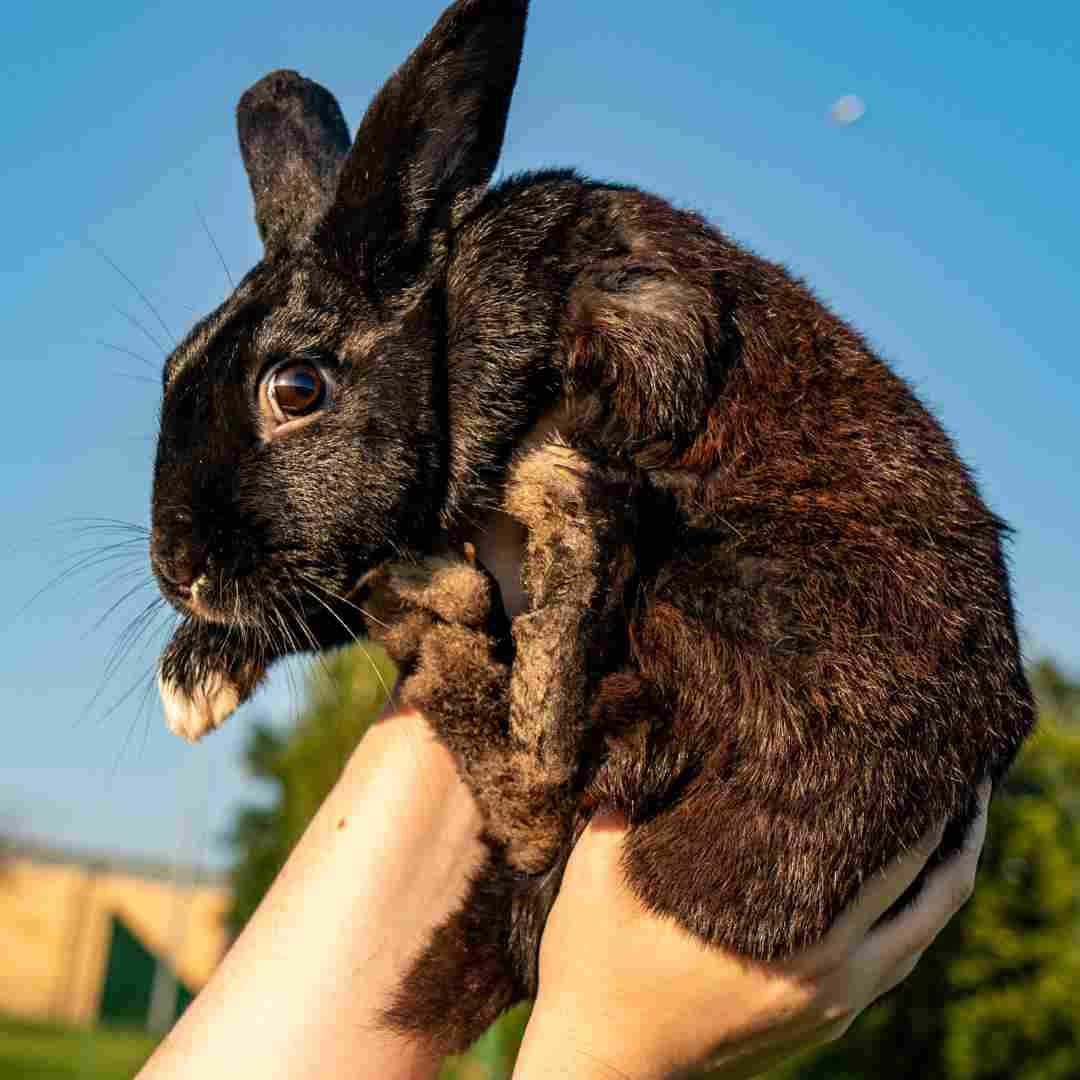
<point x="646" y="526"/>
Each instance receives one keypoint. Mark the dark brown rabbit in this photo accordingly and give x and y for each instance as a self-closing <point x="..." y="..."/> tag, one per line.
<point x="760" y="606"/>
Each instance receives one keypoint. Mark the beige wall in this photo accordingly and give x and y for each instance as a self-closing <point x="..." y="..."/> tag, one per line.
<point x="54" y="932"/>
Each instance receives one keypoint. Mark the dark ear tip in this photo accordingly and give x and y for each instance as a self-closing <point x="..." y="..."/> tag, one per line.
<point x="492" y="7"/>
<point x="467" y="11"/>
<point x="286" y="97"/>
<point x="293" y="140"/>
<point x="472" y="9"/>
<point x="273" y="88"/>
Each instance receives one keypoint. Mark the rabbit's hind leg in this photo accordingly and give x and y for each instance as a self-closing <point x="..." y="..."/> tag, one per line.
<point x="591" y="527"/>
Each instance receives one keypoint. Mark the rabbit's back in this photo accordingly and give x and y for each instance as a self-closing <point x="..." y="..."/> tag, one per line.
<point x="826" y="663"/>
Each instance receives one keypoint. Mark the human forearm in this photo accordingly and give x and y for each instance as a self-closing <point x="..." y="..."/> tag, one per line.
<point x="387" y="857"/>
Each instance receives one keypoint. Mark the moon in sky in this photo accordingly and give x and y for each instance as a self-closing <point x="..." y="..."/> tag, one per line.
<point x="846" y="110"/>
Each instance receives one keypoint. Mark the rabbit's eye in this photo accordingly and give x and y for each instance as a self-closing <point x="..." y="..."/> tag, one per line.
<point x="295" y="390"/>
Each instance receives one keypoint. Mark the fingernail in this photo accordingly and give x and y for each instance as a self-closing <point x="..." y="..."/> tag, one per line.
<point x="608" y="819"/>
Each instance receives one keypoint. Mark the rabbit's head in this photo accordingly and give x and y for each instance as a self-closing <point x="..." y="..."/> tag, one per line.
<point x="303" y="432"/>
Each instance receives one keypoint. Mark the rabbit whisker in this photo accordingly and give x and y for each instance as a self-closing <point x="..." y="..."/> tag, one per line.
<point x="111" y="609"/>
<point x="301" y="622"/>
<point x="363" y="648"/>
<point x="104" y="524"/>
<point x="133" y="377"/>
<point x="152" y="338"/>
<point x="344" y="600"/>
<point x="127" y="641"/>
<point x="210" y="237"/>
<point x="294" y="691"/>
<point x="126" y="352"/>
<point x="80" y="561"/>
<point x="146" y="684"/>
<point x="142" y="296"/>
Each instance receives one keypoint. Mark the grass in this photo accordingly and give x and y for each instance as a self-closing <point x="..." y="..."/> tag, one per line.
<point x="39" y="1050"/>
<point x="36" y="1050"/>
<point x="492" y="1058"/>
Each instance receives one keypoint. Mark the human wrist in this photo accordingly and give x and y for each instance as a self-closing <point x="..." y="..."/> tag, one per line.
<point x="411" y="808"/>
<point x="563" y="1042"/>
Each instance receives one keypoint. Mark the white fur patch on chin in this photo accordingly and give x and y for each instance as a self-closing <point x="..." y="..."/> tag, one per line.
<point x="206" y="710"/>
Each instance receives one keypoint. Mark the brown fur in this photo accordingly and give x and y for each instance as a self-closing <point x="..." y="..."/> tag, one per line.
<point x="767" y="615"/>
<point x="777" y="631"/>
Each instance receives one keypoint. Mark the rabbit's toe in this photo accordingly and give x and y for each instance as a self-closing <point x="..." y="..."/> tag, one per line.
<point x="456" y="591"/>
<point x="402" y="639"/>
<point x="548" y="484"/>
<point x="462" y="688"/>
<point x="193" y="711"/>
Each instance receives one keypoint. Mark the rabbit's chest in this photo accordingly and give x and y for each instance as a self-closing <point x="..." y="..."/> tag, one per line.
<point x="498" y="537"/>
<point x="500" y="545"/>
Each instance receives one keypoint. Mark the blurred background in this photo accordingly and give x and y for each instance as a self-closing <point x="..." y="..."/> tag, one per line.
<point x="916" y="163"/>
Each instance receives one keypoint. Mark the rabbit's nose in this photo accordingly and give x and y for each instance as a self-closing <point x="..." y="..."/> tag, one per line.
<point x="182" y="566"/>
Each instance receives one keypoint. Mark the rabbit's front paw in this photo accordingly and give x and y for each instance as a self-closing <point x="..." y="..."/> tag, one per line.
<point x="203" y="676"/>
<point x="408" y="599"/>
<point x="460" y="683"/>
<point x="193" y="711"/>
<point x="443" y="621"/>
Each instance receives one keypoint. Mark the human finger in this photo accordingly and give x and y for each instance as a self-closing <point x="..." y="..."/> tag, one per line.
<point x="595" y="862"/>
<point x="880" y="892"/>
<point x="896" y="946"/>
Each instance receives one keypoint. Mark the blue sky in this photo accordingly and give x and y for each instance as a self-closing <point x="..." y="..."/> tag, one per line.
<point x="943" y="224"/>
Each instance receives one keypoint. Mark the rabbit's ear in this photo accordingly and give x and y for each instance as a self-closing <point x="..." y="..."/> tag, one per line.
<point x="429" y="141"/>
<point x="294" y="140"/>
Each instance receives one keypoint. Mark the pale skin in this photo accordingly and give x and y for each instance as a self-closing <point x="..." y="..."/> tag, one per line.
<point x="622" y="993"/>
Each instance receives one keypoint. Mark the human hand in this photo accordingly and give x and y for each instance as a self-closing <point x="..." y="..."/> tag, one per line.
<point x="624" y="993"/>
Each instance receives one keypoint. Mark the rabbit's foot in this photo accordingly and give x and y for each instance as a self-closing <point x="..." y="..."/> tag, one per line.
<point x="462" y="686"/>
<point x="548" y="492"/>
<point x="203" y="677"/>
<point x="442" y="620"/>
<point x="459" y="683"/>
<point x="408" y="598"/>
<point x="201" y="709"/>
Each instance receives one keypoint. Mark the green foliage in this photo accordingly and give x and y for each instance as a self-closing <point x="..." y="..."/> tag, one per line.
<point x="492" y="1057"/>
<point x="346" y="691"/>
<point x="345" y="694"/>
<point x="996" y="998"/>
<point x="46" y="1051"/>
<point x="1015" y="1007"/>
